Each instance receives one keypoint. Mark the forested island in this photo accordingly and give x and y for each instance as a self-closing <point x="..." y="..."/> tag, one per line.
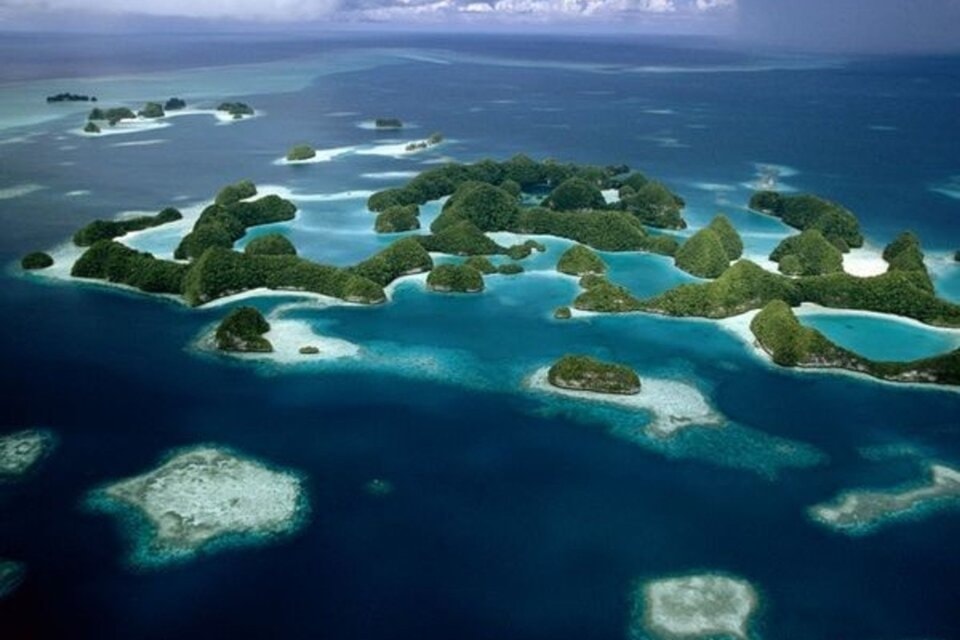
<point x="70" y="97"/>
<point x="584" y="373"/>
<point x="242" y="331"/>
<point x="388" y="123"/>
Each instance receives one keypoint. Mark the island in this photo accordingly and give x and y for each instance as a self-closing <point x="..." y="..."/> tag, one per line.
<point x="807" y="254"/>
<point x="36" y="260"/>
<point x="91" y="127"/>
<point x="300" y="153"/>
<point x="455" y="278"/>
<point x="309" y="350"/>
<point x="112" y="115"/>
<point x="432" y="140"/>
<point x="806" y="211"/>
<point x="650" y="201"/>
<point x="790" y="344"/>
<point x="22" y="451"/>
<point x="70" y="97"/>
<point x="863" y="511"/>
<point x="109" y="229"/>
<point x="203" y="499"/>
<point x="562" y="313"/>
<point x="242" y="331"/>
<point x="580" y="260"/>
<point x="708" y="253"/>
<point x="694" y="607"/>
<point x="488" y="195"/>
<point x="603" y="296"/>
<point x="11" y="575"/>
<point x="272" y="244"/>
<point x="236" y="110"/>
<point x="388" y="123"/>
<point x="584" y="373"/>
<point x="398" y="218"/>
<point x="481" y="264"/>
<point x="151" y="110"/>
<point x="215" y="270"/>
<point x="510" y="269"/>
<point x="174" y="104"/>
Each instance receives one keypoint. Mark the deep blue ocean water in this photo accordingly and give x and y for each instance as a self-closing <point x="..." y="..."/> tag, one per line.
<point x="513" y="516"/>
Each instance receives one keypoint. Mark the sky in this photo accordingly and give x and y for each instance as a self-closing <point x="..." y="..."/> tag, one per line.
<point x="876" y="26"/>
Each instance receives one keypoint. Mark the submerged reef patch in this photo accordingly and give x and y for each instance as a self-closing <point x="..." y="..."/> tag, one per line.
<point x="20" y="452"/>
<point x="862" y="511"/>
<point x="202" y="499"/>
<point x="694" y="606"/>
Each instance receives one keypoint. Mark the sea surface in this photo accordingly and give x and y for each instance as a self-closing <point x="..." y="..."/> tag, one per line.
<point x="513" y="515"/>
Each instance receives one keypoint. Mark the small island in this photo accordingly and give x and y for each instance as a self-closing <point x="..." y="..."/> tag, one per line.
<point x="455" y="278"/>
<point x="694" y="607"/>
<point x="203" y="499"/>
<point x="807" y="254"/>
<point x="805" y="211"/>
<point x="708" y="253"/>
<point x="112" y="115"/>
<point x="861" y="512"/>
<point x="22" y="451"/>
<point x="70" y="97"/>
<point x="174" y="104"/>
<point x="236" y="110"/>
<point x="433" y="140"/>
<point x="584" y="373"/>
<point x="580" y="260"/>
<point x="11" y="575"/>
<point x="388" y="123"/>
<point x="242" y="331"/>
<point x="109" y="229"/>
<point x="151" y="111"/>
<point x="300" y="153"/>
<point x="271" y="244"/>
<point x="36" y="260"/>
<point x="562" y="313"/>
<point x="398" y="218"/>
<point x="91" y="127"/>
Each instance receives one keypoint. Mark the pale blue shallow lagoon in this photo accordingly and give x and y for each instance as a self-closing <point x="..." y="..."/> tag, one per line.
<point x="514" y="514"/>
<point x="881" y="338"/>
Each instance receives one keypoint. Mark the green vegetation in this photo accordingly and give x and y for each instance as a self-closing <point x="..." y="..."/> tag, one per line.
<point x="791" y="344"/>
<point x="510" y="269"/>
<point x="603" y="296"/>
<point x="236" y="192"/>
<point x="70" y="97"/>
<point x="272" y="244"/>
<point x="236" y="109"/>
<point x="905" y="254"/>
<point x="36" y="260"/>
<point x="108" y="229"/>
<point x="575" y="194"/>
<point x="803" y="212"/>
<point x="114" y="262"/>
<point x="458" y="278"/>
<point x="703" y="255"/>
<point x="902" y="293"/>
<point x="301" y="152"/>
<point x="220" y="225"/>
<point x="732" y="243"/>
<point x="562" y="313"/>
<point x="221" y="272"/>
<point x="462" y="239"/>
<point x="112" y="115"/>
<point x="584" y="373"/>
<point x="490" y="208"/>
<point x="388" y="123"/>
<point x="403" y="257"/>
<point x="91" y="127"/>
<point x="807" y="254"/>
<point x="174" y="104"/>
<point x="481" y="264"/>
<point x="397" y="219"/>
<point x="603" y="230"/>
<point x="742" y="287"/>
<point x="152" y="110"/>
<point x="579" y="260"/>
<point x="242" y="330"/>
<point x="652" y="203"/>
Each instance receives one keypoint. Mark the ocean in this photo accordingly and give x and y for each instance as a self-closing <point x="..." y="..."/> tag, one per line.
<point x="513" y="514"/>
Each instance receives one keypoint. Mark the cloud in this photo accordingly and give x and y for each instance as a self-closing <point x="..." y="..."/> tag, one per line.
<point x="299" y="11"/>
<point x="270" y="10"/>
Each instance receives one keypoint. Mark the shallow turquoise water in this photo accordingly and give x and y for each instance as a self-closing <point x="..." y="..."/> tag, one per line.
<point x="882" y="338"/>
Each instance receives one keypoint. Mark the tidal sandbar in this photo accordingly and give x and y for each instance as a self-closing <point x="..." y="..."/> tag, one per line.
<point x="203" y="498"/>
